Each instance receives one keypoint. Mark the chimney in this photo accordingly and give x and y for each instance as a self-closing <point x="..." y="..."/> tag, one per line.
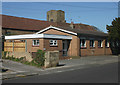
<point x="72" y="25"/>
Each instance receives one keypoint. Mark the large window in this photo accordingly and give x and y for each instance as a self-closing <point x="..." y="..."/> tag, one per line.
<point x="53" y="42"/>
<point x="82" y="43"/>
<point x="99" y="43"/>
<point x="35" y="42"/>
<point x="92" y="44"/>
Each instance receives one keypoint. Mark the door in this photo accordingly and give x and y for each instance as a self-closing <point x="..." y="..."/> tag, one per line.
<point x="65" y="47"/>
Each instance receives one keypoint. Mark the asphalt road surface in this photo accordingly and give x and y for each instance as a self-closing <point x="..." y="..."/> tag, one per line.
<point x="107" y="73"/>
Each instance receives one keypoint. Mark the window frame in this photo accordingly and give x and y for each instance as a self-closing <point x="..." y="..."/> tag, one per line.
<point x="101" y="44"/>
<point x="37" y="42"/>
<point x="81" y="45"/>
<point x="107" y="44"/>
<point x="93" y="45"/>
<point x="53" y="42"/>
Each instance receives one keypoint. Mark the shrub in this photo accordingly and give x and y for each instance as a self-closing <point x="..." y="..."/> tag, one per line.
<point x="40" y="58"/>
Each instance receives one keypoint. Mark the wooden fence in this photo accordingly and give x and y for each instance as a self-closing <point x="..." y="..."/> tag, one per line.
<point x="14" y="46"/>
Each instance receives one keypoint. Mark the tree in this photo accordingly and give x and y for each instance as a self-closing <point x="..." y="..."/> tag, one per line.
<point x="114" y="35"/>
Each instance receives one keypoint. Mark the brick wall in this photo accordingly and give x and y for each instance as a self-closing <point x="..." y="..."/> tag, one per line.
<point x="88" y="51"/>
<point x="74" y="46"/>
<point x="73" y="49"/>
<point x="53" y="48"/>
<point x="31" y="48"/>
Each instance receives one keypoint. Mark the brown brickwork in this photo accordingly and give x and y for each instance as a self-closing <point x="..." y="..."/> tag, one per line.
<point x="73" y="48"/>
<point x="96" y="50"/>
<point x="31" y="48"/>
<point x="53" y="48"/>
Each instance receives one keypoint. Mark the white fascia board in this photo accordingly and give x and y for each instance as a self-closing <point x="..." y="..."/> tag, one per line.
<point x="51" y="27"/>
<point x="27" y="36"/>
<point x="31" y="36"/>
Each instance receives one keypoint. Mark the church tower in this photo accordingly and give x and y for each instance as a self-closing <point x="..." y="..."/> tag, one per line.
<point x="56" y="16"/>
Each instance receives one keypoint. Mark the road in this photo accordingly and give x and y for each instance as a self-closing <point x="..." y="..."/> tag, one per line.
<point x="107" y="73"/>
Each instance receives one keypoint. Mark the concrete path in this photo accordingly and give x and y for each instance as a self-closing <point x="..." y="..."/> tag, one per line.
<point x="21" y="70"/>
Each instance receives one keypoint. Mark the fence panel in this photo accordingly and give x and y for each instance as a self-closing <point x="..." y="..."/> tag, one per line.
<point x="14" y="46"/>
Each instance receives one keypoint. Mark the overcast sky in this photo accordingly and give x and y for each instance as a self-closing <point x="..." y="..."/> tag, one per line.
<point x="98" y="14"/>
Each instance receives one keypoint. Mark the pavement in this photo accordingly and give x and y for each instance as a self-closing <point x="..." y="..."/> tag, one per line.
<point x="21" y="70"/>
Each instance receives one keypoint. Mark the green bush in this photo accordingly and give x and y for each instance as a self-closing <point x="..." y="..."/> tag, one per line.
<point x="40" y="58"/>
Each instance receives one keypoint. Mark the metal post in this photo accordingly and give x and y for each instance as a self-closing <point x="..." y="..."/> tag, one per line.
<point x="13" y="45"/>
<point x="25" y="45"/>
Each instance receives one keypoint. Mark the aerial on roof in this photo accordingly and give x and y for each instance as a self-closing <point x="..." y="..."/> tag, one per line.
<point x="37" y="25"/>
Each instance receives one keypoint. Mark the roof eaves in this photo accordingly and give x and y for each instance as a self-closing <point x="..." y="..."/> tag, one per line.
<point x="56" y="28"/>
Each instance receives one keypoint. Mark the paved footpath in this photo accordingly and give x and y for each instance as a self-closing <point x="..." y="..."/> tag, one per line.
<point x="22" y="70"/>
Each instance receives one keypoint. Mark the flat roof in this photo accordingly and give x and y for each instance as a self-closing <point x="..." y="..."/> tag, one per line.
<point x="31" y="36"/>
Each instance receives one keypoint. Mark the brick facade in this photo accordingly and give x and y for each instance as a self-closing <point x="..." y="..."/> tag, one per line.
<point x="31" y="48"/>
<point x="53" y="48"/>
<point x="74" y="48"/>
<point x="88" y="51"/>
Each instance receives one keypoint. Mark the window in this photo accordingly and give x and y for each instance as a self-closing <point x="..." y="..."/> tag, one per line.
<point x="106" y="43"/>
<point x="92" y="44"/>
<point x="35" y="42"/>
<point x="53" y="42"/>
<point x="99" y="43"/>
<point x="82" y="43"/>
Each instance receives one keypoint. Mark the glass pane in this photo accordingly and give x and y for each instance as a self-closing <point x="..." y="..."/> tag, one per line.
<point x="51" y="43"/>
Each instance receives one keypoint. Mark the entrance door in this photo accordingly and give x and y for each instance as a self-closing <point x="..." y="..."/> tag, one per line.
<point x="65" y="47"/>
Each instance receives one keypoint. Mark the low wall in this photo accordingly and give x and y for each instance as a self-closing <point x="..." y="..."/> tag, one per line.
<point x="51" y="59"/>
<point x="27" y="55"/>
